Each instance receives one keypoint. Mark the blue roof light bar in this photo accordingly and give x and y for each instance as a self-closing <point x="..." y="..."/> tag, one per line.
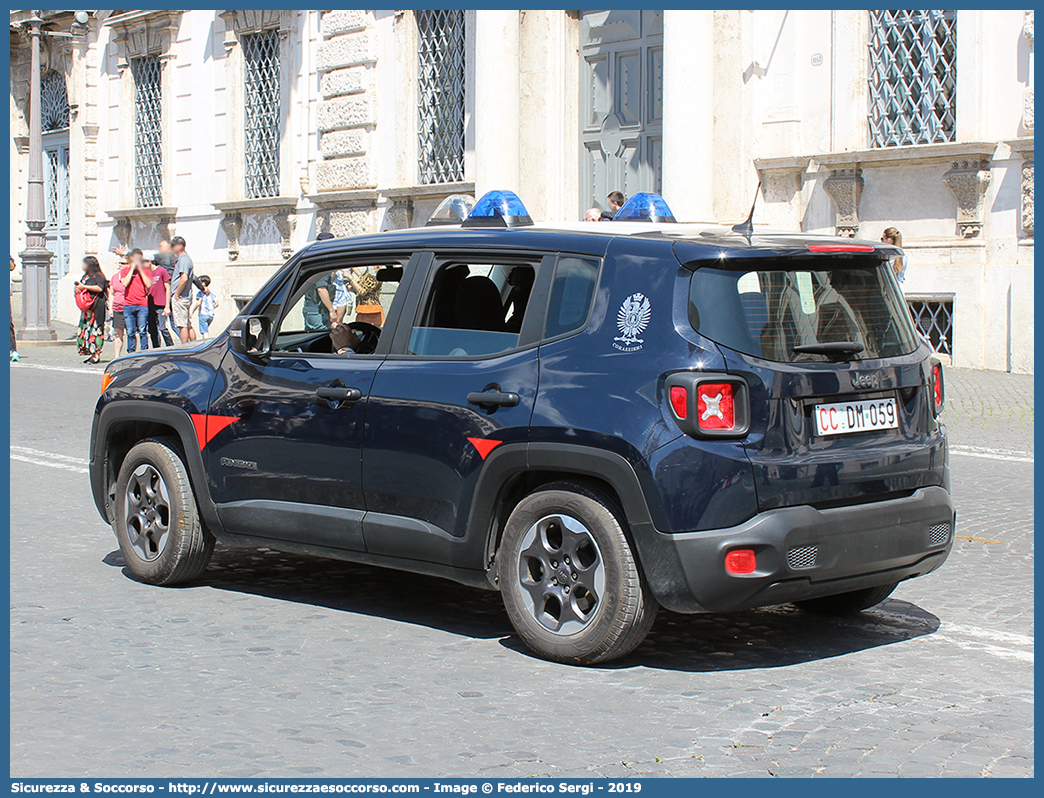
<point x="645" y="207"/>
<point x="498" y="209"/>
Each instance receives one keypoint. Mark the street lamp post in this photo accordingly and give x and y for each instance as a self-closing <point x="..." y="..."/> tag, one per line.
<point x="36" y="258"/>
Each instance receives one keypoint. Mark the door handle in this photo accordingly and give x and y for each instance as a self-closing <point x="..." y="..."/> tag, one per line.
<point x="493" y="398"/>
<point x="347" y="395"/>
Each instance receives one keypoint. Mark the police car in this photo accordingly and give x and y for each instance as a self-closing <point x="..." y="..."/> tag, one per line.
<point x="596" y="420"/>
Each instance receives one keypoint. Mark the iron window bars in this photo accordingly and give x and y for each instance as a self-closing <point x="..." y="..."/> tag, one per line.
<point x="54" y="102"/>
<point x="261" y="56"/>
<point x="913" y="77"/>
<point x="934" y="318"/>
<point x="148" y="154"/>
<point x="440" y="61"/>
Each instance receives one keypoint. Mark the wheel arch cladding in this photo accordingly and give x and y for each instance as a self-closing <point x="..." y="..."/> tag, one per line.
<point x="512" y="472"/>
<point x="123" y="424"/>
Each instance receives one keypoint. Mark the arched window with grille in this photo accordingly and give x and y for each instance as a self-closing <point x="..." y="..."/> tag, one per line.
<point x="913" y="77"/>
<point x="54" y="102"/>
<point x="440" y="90"/>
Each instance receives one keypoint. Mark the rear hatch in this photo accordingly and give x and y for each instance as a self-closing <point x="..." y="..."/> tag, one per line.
<point x="841" y="408"/>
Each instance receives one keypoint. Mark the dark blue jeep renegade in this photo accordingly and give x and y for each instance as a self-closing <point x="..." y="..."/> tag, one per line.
<point x="596" y="420"/>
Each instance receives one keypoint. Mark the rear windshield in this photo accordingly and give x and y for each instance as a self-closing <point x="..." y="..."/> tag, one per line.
<point x="770" y="312"/>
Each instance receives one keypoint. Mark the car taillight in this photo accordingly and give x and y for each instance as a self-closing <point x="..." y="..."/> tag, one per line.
<point x="715" y="406"/>
<point x="680" y="401"/>
<point x="938" y="389"/>
<point x="107" y="380"/>
<point x="709" y="405"/>
<point x="741" y="561"/>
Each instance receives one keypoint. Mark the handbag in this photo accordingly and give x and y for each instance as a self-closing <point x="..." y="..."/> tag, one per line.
<point x="84" y="299"/>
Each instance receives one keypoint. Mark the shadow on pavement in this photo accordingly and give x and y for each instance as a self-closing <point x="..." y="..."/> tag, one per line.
<point x="770" y="637"/>
<point x="773" y="637"/>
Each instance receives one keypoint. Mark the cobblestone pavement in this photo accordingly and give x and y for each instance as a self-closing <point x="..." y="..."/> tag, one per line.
<point x="289" y="666"/>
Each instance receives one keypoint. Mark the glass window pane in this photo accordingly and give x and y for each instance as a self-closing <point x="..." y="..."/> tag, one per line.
<point x="913" y="77"/>
<point x="473" y="310"/>
<point x="440" y="63"/>
<point x="148" y="159"/>
<point x="347" y="295"/>
<point x="571" y="295"/>
<point x="262" y="96"/>
<point x="769" y="312"/>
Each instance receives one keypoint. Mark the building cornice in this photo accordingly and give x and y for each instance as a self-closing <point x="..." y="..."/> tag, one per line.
<point x="434" y="190"/>
<point x="882" y="156"/>
<point x="162" y="212"/>
<point x="256" y="204"/>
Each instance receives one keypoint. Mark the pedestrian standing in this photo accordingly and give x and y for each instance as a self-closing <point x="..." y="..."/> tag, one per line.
<point x="206" y="303"/>
<point x="616" y="201"/>
<point x="180" y="300"/>
<point x="892" y="236"/>
<point x="137" y="279"/>
<point x="14" y="345"/>
<point x="159" y="321"/>
<point x="367" y="289"/>
<point x="117" y="291"/>
<point x="91" y="336"/>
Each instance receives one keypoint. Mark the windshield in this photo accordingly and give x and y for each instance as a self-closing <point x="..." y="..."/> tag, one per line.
<point x="788" y="312"/>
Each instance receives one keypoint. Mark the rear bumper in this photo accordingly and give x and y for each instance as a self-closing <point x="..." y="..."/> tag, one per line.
<point x="804" y="553"/>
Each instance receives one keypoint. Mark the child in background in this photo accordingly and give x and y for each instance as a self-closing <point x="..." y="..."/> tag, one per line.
<point x="344" y="296"/>
<point x="206" y="303"/>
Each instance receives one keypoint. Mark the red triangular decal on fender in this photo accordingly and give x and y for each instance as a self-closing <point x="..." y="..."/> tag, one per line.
<point x="209" y="426"/>
<point x="484" y="445"/>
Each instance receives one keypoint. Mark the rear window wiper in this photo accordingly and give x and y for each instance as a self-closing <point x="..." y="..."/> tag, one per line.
<point x="830" y="348"/>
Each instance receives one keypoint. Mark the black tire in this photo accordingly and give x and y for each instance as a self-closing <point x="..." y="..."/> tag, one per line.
<point x="846" y="603"/>
<point x="618" y="620"/>
<point x="168" y="546"/>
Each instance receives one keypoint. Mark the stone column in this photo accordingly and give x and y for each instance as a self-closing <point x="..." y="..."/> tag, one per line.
<point x="36" y="258"/>
<point x="496" y="101"/>
<point x="688" y="114"/>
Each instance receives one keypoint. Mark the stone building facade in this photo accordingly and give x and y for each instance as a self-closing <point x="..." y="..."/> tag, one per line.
<point x="249" y="132"/>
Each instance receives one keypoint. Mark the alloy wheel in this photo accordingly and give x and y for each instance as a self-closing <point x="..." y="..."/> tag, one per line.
<point x="562" y="572"/>
<point x="147" y="508"/>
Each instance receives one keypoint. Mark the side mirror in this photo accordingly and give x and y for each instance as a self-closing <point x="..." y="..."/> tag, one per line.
<point x="251" y="336"/>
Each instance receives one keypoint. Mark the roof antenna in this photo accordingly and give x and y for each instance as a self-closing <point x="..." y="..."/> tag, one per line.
<point x="746" y="228"/>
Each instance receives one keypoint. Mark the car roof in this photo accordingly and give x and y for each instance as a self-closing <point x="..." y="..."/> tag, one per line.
<point x="698" y="240"/>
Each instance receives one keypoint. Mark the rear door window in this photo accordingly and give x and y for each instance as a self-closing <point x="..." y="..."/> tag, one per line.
<point x="474" y="309"/>
<point x="783" y="309"/>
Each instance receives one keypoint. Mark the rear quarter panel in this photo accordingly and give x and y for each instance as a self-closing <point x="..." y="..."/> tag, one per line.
<point x="600" y="391"/>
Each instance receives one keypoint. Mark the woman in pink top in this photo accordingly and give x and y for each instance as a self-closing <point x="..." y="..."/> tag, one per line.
<point x="119" y="324"/>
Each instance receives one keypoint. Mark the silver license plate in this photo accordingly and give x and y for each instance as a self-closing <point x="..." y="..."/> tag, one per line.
<point x="842" y="418"/>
